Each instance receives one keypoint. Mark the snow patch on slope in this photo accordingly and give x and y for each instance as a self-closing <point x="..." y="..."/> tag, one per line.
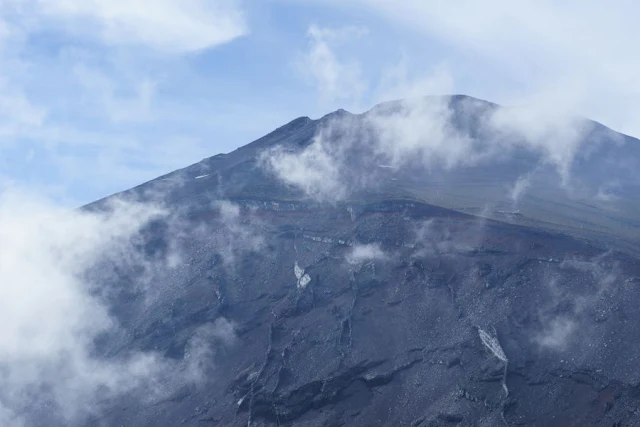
<point x="303" y="278"/>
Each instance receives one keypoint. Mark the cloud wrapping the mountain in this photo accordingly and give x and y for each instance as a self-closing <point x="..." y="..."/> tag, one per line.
<point x="315" y="170"/>
<point x="50" y="315"/>
<point x="574" y="55"/>
<point x="435" y="133"/>
<point x="53" y="312"/>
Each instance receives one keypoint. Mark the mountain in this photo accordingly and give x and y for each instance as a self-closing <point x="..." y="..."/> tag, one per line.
<point x="431" y="262"/>
<point x="570" y="175"/>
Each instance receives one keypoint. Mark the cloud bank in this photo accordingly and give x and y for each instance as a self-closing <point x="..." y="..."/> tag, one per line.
<point x="54" y="314"/>
<point x="438" y="135"/>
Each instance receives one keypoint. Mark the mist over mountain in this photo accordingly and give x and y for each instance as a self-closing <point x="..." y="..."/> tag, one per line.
<point x="519" y="165"/>
<point x="431" y="262"/>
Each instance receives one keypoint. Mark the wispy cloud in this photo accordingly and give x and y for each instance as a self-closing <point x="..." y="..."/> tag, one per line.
<point x="336" y="77"/>
<point x="170" y="25"/>
<point x="202" y="346"/>
<point x="56" y="286"/>
<point x="520" y="187"/>
<point x="314" y="170"/>
<point x="439" y="134"/>
<point x="571" y="54"/>
<point x="557" y="334"/>
<point x="234" y="236"/>
<point x="567" y="319"/>
<point x="50" y="314"/>
<point x="365" y="253"/>
<point x="101" y="92"/>
<point x="91" y="102"/>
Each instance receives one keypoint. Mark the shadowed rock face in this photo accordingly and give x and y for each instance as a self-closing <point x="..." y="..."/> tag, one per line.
<point x="387" y="307"/>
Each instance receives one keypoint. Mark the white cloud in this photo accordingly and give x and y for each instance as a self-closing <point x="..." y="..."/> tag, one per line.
<point x="52" y="313"/>
<point x="337" y="79"/>
<point x="234" y="236"/>
<point x="343" y="78"/>
<point x="439" y="133"/>
<point x="556" y="136"/>
<point x="574" y="53"/>
<point x="329" y="168"/>
<point x="165" y="25"/>
<point x="366" y="252"/>
<point x="580" y="60"/>
<point x="557" y="334"/>
<point x="422" y="129"/>
<point x="49" y="314"/>
<point x="92" y="101"/>
<point x="17" y="113"/>
<point x="315" y="170"/>
<point x="396" y="82"/>
<point x="102" y="90"/>
<point x="202" y="347"/>
<point x="520" y="187"/>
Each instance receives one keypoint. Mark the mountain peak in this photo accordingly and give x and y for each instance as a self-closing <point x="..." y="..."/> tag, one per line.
<point x="454" y="102"/>
<point x="338" y="114"/>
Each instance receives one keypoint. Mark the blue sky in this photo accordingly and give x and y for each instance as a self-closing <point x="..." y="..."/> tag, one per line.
<point x="99" y="95"/>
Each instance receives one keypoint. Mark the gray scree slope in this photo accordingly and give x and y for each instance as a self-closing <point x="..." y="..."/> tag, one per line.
<point x="399" y="305"/>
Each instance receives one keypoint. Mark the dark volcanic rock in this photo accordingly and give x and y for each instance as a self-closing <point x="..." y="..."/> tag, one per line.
<point x="388" y="341"/>
<point x="452" y="320"/>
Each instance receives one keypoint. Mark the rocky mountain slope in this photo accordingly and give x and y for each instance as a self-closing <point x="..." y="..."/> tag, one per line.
<point x="431" y="262"/>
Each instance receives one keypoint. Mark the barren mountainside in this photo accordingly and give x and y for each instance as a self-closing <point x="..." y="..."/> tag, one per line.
<point x="433" y="262"/>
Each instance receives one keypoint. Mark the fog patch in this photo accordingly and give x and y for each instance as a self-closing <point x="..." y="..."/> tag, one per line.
<point x="419" y="128"/>
<point x="519" y="188"/>
<point x="437" y="133"/>
<point x="360" y="253"/>
<point x="568" y="314"/>
<point x="556" y="137"/>
<point x="557" y="333"/>
<point x="235" y="235"/>
<point x="316" y="170"/>
<point x="202" y="347"/>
